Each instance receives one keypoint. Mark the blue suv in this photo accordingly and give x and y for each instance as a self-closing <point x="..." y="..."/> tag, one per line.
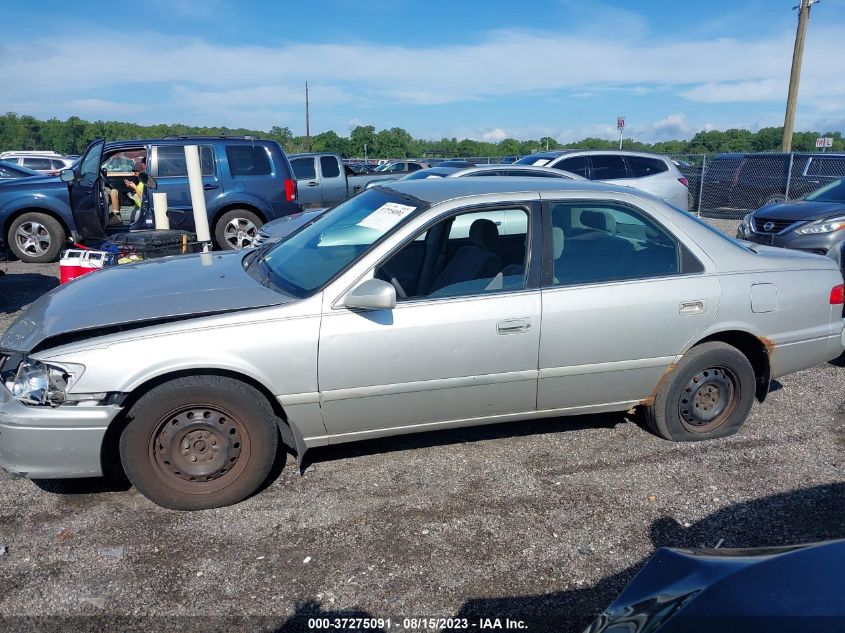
<point x="247" y="182"/>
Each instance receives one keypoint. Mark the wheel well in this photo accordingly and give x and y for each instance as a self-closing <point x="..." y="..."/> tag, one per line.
<point x="110" y="451"/>
<point x="756" y="349"/>
<point x="245" y="207"/>
<point x="16" y="214"/>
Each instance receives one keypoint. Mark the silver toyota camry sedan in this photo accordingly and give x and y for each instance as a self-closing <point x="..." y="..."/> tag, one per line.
<point x="416" y="306"/>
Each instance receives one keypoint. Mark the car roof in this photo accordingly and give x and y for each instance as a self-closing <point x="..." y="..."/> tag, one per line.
<point x="552" y="171"/>
<point x="621" y="152"/>
<point x="437" y="190"/>
<point x="194" y="140"/>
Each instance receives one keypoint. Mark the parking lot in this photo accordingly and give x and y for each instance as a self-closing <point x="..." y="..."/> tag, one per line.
<point x="542" y="522"/>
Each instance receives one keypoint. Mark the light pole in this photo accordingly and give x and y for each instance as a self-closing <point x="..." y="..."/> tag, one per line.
<point x="795" y="73"/>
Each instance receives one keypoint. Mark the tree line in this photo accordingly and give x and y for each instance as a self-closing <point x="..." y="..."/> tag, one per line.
<point x="23" y="132"/>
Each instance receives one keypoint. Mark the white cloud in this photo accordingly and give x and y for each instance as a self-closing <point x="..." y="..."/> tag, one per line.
<point x="494" y="136"/>
<point x="610" y="59"/>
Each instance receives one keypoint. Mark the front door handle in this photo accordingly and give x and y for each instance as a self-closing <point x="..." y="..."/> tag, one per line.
<point x="688" y="308"/>
<point x="513" y="326"/>
<point x="208" y="187"/>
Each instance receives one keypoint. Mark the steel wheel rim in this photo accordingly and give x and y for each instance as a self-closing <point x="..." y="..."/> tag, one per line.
<point x="709" y="399"/>
<point x="199" y="449"/>
<point x="240" y="233"/>
<point x="33" y="238"/>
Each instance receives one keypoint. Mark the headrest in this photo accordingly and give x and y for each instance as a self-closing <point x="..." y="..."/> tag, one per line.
<point x="484" y="234"/>
<point x="600" y="220"/>
<point x="557" y="242"/>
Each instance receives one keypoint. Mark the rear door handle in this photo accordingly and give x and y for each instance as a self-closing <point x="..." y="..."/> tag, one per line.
<point x="688" y="308"/>
<point x="210" y="187"/>
<point x="311" y="184"/>
<point x="513" y="326"/>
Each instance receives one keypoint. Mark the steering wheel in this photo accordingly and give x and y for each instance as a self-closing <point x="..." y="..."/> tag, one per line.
<point x="400" y="292"/>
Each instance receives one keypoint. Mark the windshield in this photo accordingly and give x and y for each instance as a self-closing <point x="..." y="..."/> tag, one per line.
<point x="310" y="258"/>
<point x="834" y="192"/>
<point x="433" y="172"/>
<point x="538" y="160"/>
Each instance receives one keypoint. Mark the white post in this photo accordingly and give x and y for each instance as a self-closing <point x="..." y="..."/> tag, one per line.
<point x="160" y="210"/>
<point x="192" y="158"/>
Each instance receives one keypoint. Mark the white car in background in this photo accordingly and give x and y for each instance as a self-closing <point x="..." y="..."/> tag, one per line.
<point x="41" y="161"/>
<point x="653" y="173"/>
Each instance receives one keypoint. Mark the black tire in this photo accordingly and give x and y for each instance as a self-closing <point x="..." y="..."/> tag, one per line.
<point x="707" y="396"/>
<point x="199" y="442"/>
<point x="36" y="238"/>
<point x="237" y="229"/>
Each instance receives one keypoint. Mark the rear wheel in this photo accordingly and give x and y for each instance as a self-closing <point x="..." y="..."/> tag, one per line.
<point x="36" y="238"/>
<point x="199" y="442"/>
<point x="237" y="229"/>
<point x="708" y="395"/>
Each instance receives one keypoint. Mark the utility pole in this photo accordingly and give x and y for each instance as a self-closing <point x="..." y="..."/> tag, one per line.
<point x="795" y="73"/>
<point x="307" y="119"/>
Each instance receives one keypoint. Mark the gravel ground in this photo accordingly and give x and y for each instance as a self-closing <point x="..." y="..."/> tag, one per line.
<point x="543" y="522"/>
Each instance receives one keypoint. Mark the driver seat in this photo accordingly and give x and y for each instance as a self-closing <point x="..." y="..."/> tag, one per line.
<point x="477" y="260"/>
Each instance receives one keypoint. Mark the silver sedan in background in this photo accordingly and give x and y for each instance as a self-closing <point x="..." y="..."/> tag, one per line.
<point x="385" y="316"/>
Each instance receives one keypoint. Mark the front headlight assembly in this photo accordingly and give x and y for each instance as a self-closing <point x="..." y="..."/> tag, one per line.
<point x="822" y="226"/>
<point x="38" y="383"/>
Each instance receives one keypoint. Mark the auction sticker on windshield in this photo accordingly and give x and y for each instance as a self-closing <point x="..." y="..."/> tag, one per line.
<point x="386" y="216"/>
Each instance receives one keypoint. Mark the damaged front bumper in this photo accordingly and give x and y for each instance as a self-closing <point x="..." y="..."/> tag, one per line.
<point x="41" y="442"/>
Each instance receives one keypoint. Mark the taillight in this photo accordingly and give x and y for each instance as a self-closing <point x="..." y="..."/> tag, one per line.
<point x="837" y="295"/>
<point x="290" y="190"/>
<point x="683" y="181"/>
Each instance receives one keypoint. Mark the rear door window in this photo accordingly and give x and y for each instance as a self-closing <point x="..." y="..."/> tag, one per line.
<point x="248" y="160"/>
<point x="328" y="166"/>
<point x="303" y="168"/>
<point x="172" y="164"/>
<point x="37" y="163"/>
<point x="642" y="166"/>
<point x="608" y="167"/>
<point x="576" y="165"/>
<point x="829" y="167"/>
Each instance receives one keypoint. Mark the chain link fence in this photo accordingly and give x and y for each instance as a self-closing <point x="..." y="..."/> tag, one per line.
<point x="731" y="185"/>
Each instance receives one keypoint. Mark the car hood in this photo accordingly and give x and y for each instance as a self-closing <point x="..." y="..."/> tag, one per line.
<point x="32" y="182"/>
<point x="277" y="229"/>
<point x="800" y="210"/>
<point x="736" y="589"/>
<point x="137" y="295"/>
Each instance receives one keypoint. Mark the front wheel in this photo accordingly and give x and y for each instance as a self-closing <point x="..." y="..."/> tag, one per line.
<point x="237" y="229"/>
<point x="708" y="395"/>
<point x="199" y="442"/>
<point x="36" y="238"/>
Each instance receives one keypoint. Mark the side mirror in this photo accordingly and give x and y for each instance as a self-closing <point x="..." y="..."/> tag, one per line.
<point x="67" y="175"/>
<point x="373" y="294"/>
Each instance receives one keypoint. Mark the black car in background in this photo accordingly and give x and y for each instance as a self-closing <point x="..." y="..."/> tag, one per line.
<point x="815" y="224"/>
<point x="750" y="181"/>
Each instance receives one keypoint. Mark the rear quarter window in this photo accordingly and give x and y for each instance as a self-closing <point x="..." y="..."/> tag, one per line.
<point x="642" y="166"/>
<point x="248" y="160"/>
